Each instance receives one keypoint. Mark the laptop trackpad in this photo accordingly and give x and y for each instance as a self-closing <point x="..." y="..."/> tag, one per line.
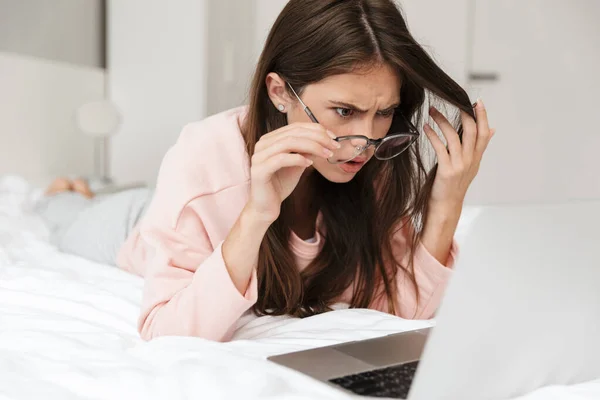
<point x="387" y="350"/>
<point x="322" y="363"/>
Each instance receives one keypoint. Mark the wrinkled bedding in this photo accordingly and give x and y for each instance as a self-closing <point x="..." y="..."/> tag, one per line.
<point x="68" y="331"/>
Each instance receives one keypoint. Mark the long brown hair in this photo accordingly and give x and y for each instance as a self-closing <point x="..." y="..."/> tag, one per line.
<point x="311" y="40"/>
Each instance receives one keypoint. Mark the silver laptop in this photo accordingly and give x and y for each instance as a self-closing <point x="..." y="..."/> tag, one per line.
<point x="522" y="311"/>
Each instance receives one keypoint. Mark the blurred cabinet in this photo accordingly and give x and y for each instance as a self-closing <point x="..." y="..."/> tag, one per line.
<point x="536" y="63"/>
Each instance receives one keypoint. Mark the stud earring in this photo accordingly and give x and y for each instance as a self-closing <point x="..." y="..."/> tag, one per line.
<point x="281" y="107"/>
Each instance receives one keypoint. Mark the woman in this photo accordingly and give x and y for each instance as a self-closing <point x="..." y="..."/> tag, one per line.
<point x="333" y="205"/>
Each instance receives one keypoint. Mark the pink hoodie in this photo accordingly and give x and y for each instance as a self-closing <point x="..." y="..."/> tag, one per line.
<point x="202" y="187"/>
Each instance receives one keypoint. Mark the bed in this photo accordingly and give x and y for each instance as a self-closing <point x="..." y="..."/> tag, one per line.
<point x="67" y="331"/>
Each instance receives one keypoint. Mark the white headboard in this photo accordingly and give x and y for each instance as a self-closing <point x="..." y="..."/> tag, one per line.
<point x="38" y="98"/>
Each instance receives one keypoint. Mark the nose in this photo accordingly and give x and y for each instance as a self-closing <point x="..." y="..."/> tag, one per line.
<point x="367" y="127"/>
<point x="361" y="147"/>
<point x="358" y="143"/>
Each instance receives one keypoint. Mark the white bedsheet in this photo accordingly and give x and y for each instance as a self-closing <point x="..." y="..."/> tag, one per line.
<point x="67" y="331"/>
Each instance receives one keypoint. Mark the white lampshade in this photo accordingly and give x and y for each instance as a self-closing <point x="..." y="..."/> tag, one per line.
<point x="98" y="118"/>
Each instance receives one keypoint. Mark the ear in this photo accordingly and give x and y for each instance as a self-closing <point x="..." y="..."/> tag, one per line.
<point x="277" y="91"/>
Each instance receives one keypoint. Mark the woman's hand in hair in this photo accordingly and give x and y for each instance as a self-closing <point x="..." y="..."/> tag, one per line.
<point x="280" y="158"/>
<point x="458" y="164"/>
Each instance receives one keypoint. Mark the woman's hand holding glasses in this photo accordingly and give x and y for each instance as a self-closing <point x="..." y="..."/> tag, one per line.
<point x="280" y="158"/>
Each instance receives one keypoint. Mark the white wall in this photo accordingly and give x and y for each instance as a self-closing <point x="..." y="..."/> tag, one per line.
<point x="38" y="99"/>
<point x="157" y="69"/>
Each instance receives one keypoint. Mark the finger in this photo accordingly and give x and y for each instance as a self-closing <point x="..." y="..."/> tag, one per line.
<point x="315" y="131"/>
<point x="483" y="128"/>
<point x="301" y="125"/>
<point x="439" y="147"/>
<point x="292" y="144"/>
<point x="316" y="139"/>
<point x="448" y="131"/>
<point x="317" y="135"/>
<point x="279" y="161"/>
<point x="469" y="134"/>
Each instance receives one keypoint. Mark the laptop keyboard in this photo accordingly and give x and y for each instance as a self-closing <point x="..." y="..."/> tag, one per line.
<point x="391" y="382"/>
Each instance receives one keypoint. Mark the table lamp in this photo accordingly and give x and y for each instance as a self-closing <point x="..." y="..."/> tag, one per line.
<point x="99" y="120"/>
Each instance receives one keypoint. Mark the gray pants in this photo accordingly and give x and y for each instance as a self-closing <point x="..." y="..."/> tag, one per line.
<point x="93" y="228"/>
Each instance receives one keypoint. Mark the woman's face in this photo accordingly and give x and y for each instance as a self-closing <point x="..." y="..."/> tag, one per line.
<point x="358" y="103"/>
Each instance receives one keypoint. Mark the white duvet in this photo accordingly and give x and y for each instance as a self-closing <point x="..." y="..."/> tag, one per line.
<point x="68" y="331"/>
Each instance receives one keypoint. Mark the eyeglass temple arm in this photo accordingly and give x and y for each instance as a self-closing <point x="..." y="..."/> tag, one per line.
<point x="306" y="109"/>
<point x="310" y="115"/>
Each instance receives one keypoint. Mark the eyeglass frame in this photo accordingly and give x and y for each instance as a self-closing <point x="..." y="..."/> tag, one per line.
<point x="413" y="132"/>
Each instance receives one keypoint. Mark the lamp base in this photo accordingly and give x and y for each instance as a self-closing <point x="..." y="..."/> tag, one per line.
<point x="100" y="186"/>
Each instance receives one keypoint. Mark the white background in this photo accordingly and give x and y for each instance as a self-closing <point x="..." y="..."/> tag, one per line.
<point x="173" y="63"/>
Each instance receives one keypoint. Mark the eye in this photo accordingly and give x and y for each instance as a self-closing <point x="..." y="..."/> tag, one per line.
<point x="387" y="114"/>
<point x="344" y="112"/>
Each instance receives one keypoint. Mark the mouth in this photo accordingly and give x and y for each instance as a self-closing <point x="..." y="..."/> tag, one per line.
<point x="353" y="166"/>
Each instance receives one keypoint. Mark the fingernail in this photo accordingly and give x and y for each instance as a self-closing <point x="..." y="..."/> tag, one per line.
<point x="336" y="144"/>
<point x="309" y="162"/>
<point x="480" y="103"/>
<point x="331" y="134"/>
<point x="328" y="152"/>
<point x="432" y="110"/>
<point x="474" y="105"/>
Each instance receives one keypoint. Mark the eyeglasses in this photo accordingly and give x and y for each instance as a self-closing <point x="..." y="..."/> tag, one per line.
<point x="400" y="137"/>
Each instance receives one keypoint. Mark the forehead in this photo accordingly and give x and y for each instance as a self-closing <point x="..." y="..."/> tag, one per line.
<point x="379" y="83"/>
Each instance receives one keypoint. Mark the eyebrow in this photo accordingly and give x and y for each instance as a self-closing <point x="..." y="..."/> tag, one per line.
<point x="354" y="107"/>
